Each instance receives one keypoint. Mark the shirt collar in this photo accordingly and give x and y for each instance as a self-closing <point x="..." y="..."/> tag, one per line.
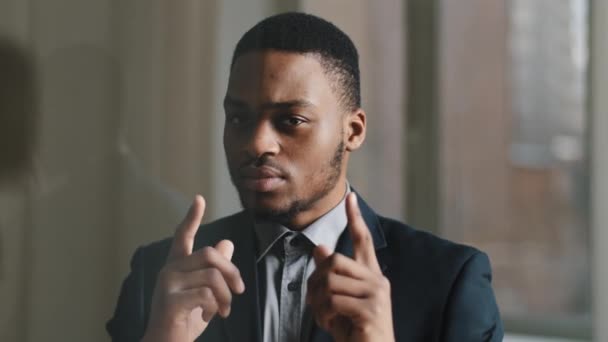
<point x="326" y="230"/>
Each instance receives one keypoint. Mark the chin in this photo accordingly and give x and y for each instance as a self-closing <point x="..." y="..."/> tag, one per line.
<point x="262" y="201"/>
<point x="279" y="214"/>
<point x="269" y="206"/>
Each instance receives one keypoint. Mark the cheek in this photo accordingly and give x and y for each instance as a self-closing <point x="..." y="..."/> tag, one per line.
<point x="227" y="145"/>
<point x="230" y="149"/>
<point x="232" y="140"/>
<point x="311" y="152"/>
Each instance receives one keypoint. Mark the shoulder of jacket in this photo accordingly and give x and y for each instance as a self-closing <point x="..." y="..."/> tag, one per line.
<point x="423" y="243"/>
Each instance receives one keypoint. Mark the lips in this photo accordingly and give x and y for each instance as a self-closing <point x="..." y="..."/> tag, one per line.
<point x="261" y="179"/>
<point x="260" y="172"/>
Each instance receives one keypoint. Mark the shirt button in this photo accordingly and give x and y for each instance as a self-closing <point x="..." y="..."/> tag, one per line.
<point x="293" y="286"/>
<point x="295" y="242"/>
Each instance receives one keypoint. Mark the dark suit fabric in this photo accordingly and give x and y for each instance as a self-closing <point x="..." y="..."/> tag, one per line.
<point x="441" y="291"/>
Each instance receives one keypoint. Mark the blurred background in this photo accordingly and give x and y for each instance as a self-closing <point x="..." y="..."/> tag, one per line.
<point x="489" y="118"/>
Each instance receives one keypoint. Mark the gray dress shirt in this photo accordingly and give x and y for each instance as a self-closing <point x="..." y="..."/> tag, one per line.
<point x="285" y="256"/>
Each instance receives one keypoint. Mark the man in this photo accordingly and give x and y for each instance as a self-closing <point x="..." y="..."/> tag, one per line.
<point x="306" y="260"/>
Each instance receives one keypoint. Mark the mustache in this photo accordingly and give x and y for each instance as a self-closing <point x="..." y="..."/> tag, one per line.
<point x="262" y="163"/>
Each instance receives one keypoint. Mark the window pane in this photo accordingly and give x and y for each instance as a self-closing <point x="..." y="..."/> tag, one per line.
<point x="513" y="152"/>
<point x="547" y="160"/>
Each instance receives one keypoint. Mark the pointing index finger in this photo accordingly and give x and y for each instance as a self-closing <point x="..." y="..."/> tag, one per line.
<point x="363" y="245"/>
<point x="183" y="239"/>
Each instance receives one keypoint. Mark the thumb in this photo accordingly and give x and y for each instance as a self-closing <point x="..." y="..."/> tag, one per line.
<point x="320" y="253"/>
<point x="226" y="248"/>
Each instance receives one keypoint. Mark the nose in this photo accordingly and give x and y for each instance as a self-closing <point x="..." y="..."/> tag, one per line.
<point x="263" y="140"/>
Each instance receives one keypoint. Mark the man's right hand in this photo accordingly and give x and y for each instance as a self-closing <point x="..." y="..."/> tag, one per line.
<point x="192" y="286"/>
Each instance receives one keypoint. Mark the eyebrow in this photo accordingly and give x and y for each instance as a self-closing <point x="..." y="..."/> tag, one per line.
<point x="229" y="101"/>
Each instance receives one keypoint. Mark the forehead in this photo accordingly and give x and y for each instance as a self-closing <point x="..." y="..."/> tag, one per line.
<point x="277" y="76"/>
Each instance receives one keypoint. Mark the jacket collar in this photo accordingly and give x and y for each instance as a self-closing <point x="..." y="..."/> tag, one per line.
<point x="345" y="246"/>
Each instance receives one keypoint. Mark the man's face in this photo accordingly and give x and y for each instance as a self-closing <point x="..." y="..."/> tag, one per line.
<point x="283" y="134"/>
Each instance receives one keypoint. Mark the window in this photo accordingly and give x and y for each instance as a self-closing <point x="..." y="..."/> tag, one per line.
<point x="513" y="154"/>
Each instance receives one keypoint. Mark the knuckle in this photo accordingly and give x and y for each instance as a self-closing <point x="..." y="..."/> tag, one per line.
<point x="384" y="285"/>
<point x="375" y="309"/>
<point x="207" y="253"/>
<point x="235" y="270"/>
<point x="366" y="328"/>
<point x="227" y="301"/>
<point x="234" y="273"/>
<point x="214" y="275"/>
<point x="334" y="260"/>
<point x="361" y="238"/>
<point x="205" y="293"/>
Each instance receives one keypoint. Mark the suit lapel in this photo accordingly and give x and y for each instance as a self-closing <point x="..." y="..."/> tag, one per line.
<point x="243" y="324"/>
<point x="345" y="247"/>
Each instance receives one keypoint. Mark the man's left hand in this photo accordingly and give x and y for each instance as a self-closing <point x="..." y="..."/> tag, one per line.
<point x="351" y="298"/>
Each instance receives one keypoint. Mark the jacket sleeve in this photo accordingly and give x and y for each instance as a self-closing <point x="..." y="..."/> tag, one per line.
<point x="127" y="324"/>
<point x="471" y="313"/>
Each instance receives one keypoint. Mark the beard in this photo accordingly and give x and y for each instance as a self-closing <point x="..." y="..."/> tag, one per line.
<point x="330" y="175"/>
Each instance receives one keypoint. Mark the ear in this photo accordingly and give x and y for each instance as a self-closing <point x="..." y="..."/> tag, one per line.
<point x="355" y="129"/>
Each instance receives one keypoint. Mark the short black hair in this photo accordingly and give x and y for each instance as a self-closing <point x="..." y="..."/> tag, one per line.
<point x="305" y="33"/>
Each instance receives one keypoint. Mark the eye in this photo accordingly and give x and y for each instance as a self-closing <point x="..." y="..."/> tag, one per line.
<point x="293" y="121"/>
<point x="236" y="119"/>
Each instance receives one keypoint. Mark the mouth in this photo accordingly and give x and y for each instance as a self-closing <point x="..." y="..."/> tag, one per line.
<point x="261" y="179"/>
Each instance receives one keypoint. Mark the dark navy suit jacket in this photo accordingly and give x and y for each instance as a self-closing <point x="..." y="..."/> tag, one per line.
<point x="441" y="291"/>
